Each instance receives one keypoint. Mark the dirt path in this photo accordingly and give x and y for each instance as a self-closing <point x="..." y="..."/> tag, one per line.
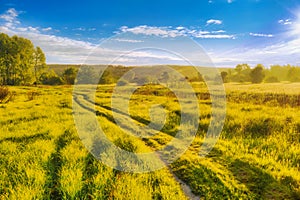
<point x="185" y="188"/>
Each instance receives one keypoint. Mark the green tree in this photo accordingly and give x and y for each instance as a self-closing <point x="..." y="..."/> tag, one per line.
<point x="69" y="75"/>
<point x="23" y="64"/>
<point x="242" y="73"/>
<point x="257" y="74"/>
<point x="293" y="74"/>
<point x="50" y="78"/>
<point x="39" y="64"/>
<point x="241" y="67"/>
<point x="6" y="59"/>
<point x="17" y="60"/>
<point x="224" y="76"/>
<point x="86" y="75"/>
<point x="106" y="77"/>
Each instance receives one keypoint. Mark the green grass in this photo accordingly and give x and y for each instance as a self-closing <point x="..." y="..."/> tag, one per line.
<point x="42" y="157"/>
<point x="256" y="157"/>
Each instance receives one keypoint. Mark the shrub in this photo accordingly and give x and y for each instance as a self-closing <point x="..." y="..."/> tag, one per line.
<point x="31" y="95"/>
<point x="50" y="78"/>
<point x="4" y="93"/>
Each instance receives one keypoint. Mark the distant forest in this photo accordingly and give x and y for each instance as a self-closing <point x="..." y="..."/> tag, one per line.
<point x="275" y="73"/>
<point x="23" y="64"/>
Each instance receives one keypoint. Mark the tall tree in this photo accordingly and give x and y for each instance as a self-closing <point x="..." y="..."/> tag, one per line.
<point x="224" y="76"/>
<point x="20" y="62"/>
<point x="39" y="63"/>
<point x="69" y="75"/>
<point x="24" y="61"/>
<point x="6" y="58"/>
<point x="242" y="73"/>
<point x="257" y="74"/>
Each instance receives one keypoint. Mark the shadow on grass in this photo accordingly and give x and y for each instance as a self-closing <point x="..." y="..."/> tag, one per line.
<point x="54" y="165"/>
<point x="90" y="189"/>
<point x="202" y="180"/>
<point x="89" y="172"/>
<point x="28" y="139"/>
<point x="21" y="120"/>
<point x="260" y="183"/>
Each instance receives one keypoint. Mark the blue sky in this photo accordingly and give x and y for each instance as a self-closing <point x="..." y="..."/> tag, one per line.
<point x="230" y="31"/>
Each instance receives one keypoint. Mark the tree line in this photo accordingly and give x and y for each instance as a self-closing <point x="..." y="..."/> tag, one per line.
<point x="20" y="62"/>
<point x="276" y="73"/>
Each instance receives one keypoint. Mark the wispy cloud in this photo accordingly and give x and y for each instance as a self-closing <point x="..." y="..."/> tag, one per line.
<point x="10" y="17"/>
<point x="261" y="35"/>
<point x="229" y="1"/>
<point x="79" y="29"/>
<point x="285" y="21"/>
<point x="176" y="32"/>
<point x="214" y="21"/>
<point x="153" y="30"/>
<point x="47" y="29"/>
<point x="127" y="40"/>
<point x="84" y="29"/>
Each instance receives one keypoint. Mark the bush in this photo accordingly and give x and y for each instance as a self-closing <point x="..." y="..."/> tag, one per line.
<point x="50" y="78"/>
<point x="31" y="95"/>
<point x="4" y="93"/>
<point x="272" y="79"/>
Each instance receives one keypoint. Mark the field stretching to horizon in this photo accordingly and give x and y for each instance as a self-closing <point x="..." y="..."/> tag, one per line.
<point x="256" y="157"/>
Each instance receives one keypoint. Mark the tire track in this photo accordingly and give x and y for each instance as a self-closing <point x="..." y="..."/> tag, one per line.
<point x="54" y="166"/>
<point x="185" y="187"/>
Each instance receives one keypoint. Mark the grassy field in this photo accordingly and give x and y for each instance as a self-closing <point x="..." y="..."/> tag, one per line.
<point x="256" y="157"/>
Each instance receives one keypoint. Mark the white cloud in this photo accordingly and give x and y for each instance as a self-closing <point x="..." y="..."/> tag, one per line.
<point x="33" y="29"/>
<point x="10" y="18"/>
<point x="22" y="29"/>
<point x="219" y="31"/>
<point x="261" y="35"/>
<point x="79" y="29"/>
<point x="178" y="31"/>
<point x="285" y="21"/>
<point x="219" y="36"/>
<point x="47" y="29"/>
<point x="180" y="28"/>
<point x="127" y="40"/>
<point x="229" y="1"/>
<point x="10" y="15"/>
<point x="214" y="21"/>
<point x="152" y="30"/>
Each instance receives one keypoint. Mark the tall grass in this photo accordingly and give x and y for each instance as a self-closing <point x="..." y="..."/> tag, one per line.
<point x="256" y="157"/>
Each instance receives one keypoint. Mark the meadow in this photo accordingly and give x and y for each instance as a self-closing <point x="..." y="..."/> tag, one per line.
<point x="256" y="157"/>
